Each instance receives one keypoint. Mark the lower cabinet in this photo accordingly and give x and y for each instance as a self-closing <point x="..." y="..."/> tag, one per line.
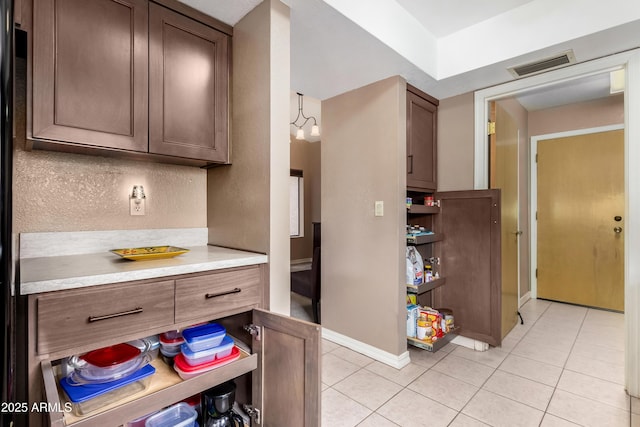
<point x="278" y="372"/>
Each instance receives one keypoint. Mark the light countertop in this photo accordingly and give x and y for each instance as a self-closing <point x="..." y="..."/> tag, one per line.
<point x="78" y="270"/>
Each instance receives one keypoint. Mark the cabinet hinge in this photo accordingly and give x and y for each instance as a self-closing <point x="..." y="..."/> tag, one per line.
<point x="436" y="203"/>
<point x="254" y="330"/>
<point x="253" y="413"/>
<point x="536" y="157"/>
<point x="491" y="128"/>
<point x="434" y="260"/>
<point x="536" y="273"/>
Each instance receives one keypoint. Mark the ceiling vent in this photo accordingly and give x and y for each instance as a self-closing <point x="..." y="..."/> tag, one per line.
<point x="547" y="64"/>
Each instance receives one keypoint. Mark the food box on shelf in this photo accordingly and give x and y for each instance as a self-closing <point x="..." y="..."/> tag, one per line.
<point x="187" y="371"/>
<point x="178" y="415"/>
<point x="203" y="337"/>
<point x="86" y="398"/>
<point x="195" y="358"/>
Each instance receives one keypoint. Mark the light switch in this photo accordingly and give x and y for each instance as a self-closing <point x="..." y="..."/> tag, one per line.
<point x="379" y="209"/>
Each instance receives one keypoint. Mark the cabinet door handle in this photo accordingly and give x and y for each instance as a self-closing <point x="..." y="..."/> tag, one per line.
<point x="410" y="157"/>
<point x="221" y="294"/>
<point x="111" y="316"/>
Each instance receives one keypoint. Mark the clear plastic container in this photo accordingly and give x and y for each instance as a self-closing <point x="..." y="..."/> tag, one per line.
<point x="87" y="398"/>
<point x="203" y="337"/>
<point x="152" y="342"/>
<point x="107" y="364"/>
<point x="195" y="358"/>
<point x="187" y="371"/>
<point x="178" y="415"/>
<point x="170" y="342"/>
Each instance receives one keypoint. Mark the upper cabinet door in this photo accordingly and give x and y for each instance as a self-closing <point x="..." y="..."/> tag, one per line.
<point x="422" y="119"/>
<point x="470" y="260"/>
<point x="188" y="88"/>
<point x="287" y="381"/>
<point x="90" y="72"/>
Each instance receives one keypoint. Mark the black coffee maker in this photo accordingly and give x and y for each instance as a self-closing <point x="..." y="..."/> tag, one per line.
<point x="217" y="407"/>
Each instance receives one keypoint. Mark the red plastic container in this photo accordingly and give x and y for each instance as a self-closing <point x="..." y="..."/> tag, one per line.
<point x="187" y="371"/>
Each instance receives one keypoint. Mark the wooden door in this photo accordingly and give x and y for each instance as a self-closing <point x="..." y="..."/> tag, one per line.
<point x="421" y="141"/>
<point x="504" y="176"/>
<point x="470" y="261"/>
<point x="90" y="72"/>
<point x="188" y="87"/>
<point x="287" y="380"/>
<point x="580" y="194"/>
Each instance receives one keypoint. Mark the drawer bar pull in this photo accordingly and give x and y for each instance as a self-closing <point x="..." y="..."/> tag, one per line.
<point x="111" y="316"/>
<point x="221" y="294"/>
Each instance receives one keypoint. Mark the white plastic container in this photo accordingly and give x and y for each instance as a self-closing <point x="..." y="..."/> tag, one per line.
<point x="178" y="415"/>
<point x="170" y="342"/>
<point x="186" y="371"/>
<point x="195" y="358"/>
<point x="203" y="337"/>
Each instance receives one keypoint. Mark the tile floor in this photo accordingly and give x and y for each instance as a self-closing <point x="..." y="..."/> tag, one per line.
<point x="563" y="367"/>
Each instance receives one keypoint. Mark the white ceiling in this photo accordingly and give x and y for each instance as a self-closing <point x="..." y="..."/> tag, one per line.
<point x="445" y="48"/>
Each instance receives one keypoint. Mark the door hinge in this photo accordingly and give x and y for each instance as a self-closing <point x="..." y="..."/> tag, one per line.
<point x="491" y="128"/>
<point x="536" y="215"/>
<point x="253" y="413"/>
<point x="254" y="330"/>
<point x="536" y="157"/>
<point x="536" y="273"/>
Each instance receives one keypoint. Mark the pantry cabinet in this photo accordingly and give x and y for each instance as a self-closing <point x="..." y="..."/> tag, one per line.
<point x="279" y="355"/>
<point x="465" y="249"/>
<point x="422" y="118"/>
<point x="130" y="78"/>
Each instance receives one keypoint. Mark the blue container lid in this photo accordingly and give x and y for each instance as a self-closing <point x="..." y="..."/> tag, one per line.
<point x="227" y="341"/>
<point x="203" y="332"/>
<point x="84" y="392"/>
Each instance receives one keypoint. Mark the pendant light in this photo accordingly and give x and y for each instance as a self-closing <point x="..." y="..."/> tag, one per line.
<point x="315" y="130"/>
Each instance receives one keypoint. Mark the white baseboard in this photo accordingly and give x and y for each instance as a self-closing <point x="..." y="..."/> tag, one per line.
<point x="300" y="261"/>
<point x="375" y="353"/>
<point x="524" y="298"/>
<point x="470" y="343"/>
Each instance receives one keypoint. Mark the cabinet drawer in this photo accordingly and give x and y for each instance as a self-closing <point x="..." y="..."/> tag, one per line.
<point x="218" y="294"/>
<point x="68" y="319"/>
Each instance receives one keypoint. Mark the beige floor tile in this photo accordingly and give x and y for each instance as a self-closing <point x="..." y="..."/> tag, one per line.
<point x="531" y="369"/>
<point x="635" y="420"/>
<point x="328" y="346"/>
<point x="402" y="376"/>
<point x="499" y="411"/>
<point x="606" y="318"/>
<point x="604" y="337"/>
<point x="594" y="388"/>
<point x="492" y="357"/>
<point x="406" y="408"/>
<point x="596" y="352"/>
<point x="463" y="420"/>
<point x="553" y="421"/>
<point x="560" y="340"/>
<point x="596" y="368"/>
<point x="464" y="369"/>
<point x="425" y="358"/>
<point x="368" y="389"/>
<point x="508" y="343"/>
<point x="444" y="389"/>
<point x="541" y="353"/>
<point x="635" y="405"/>
<point x="586" y="412"/>
<point x="335" y="369"/>
<point x="324" y="387"/>
<point x="520" y="389"/>
<point x="376" y="420"/>
<point x="340" y="411"/>
<point x="352" y="356"/>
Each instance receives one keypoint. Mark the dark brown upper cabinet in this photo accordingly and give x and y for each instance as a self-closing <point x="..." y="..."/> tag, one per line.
<point x="90" y="72"/>
<point x="470" y="260"/>
<point x="188" y="81"/>
<point x="129" y="77"/>
<point x="422" y="117"/>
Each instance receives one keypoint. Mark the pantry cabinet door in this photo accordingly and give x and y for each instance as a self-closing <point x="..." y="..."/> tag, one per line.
<point x="470" y="260"/>
<point x="90" y="72"/>
<point x="287" y="381"/>
<point x="188" y="87"/>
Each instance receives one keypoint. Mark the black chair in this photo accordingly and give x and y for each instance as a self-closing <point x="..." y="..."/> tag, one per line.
<point x="307" y="283"/>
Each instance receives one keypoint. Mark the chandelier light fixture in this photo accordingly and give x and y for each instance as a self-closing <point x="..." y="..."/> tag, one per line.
<point x="315" y="130"/>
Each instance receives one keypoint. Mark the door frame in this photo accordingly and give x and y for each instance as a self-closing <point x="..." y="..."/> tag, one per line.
<point x="630" y="61"/>
<point x="533" y="185"/>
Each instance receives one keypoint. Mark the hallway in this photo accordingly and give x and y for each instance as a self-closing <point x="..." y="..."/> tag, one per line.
<point x="563" y="367"/>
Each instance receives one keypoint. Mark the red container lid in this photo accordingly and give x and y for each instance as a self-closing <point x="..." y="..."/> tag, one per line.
<point x="110" y="356"/>
<point x="181" y="364"/>
<point x="171" y="337"/>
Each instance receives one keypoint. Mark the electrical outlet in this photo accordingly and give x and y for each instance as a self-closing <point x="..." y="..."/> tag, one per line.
<point x="379" y="208"/>
<point x="136" y="206"/>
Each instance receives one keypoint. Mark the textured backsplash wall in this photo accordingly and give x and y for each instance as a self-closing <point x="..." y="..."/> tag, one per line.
<point x="72" y="192"/>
